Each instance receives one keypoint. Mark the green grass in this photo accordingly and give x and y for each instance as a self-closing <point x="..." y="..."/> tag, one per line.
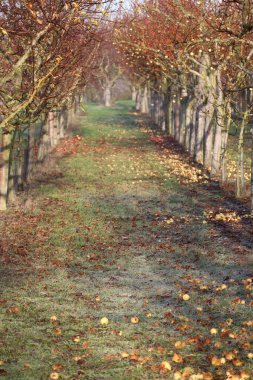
<point x="97" y="243"/>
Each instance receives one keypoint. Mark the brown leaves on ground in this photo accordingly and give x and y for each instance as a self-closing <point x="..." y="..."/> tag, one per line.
<point x="194" y="321"/>
<point x="70" y="145"/>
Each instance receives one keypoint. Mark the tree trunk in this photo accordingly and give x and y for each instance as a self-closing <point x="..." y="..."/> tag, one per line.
<point x="227" y="117"/>
<point x="144" y="100"/>
<point x="108" y="96"/>
<point x="12" y="170"/>
<point x="156" y="108"/>
<point x="50" y="121"/>
<point x="134" y="93"/>
<point x="152" y="104"/>
<point x="53" y="126"/>
<point x="208" y="134"/>
<point x="28" y="159"/>
<point x="62" y="122"/>
<point x="31" y="154"/>
<point x="161" y="111"/>
<point x="76" y="103"/>
<point x="189" y="123"/>
<point x="4" y="168"/>
<point x="44" y="145"/>
<point x="183" y="105"/>
<point x="177" y="119"/>
<point x="167" y="110"/>
<point x="216" y="159"/>
<point x="138" y="101"/>
<point x="240" y="180"/>
<point x="193" y="130"/>
<point x="240" y="183"/>
<point x="170" y="116"/>
<point x="201" y="100"/>
<point x="251" y="181"/>
<point x="199" y="134"/>
<point x="19" y="161"/>
<point x="149" y="108"/>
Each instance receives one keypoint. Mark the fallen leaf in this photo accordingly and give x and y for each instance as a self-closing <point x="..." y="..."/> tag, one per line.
<point x="177" y="358"/>
<point x="57" y="367"/>
<point x="54" y="376"/>
<point x="237" y="362"/>
<point x="57" y="331"/>
<point x="178" y="376"/>
<point x="13" y="310"/>
<point x="166" y="365"/>
<point x="104" y="321"/>
<point x="179" y="344"/>
<point x="134" y="320"/>
<point x="218" y="361"/>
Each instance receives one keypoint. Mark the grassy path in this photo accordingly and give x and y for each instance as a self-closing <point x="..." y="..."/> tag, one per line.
<point x="123" y="229"/>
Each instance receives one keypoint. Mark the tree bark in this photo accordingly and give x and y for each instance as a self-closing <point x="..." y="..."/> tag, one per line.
<point x="44" y="145"/>
<point x="251" y="180"/>
<point x="240" y="180"/>
<point x="201" y="100"/>
<point x="31" y="158"/>
<point x="108" y="96"/>
<point x="134" y="93"/>
<point x="167" y="109"/>
<point x="216" y="159"/>
<point x="4" y="168"/>
<point x="144" y="100"/>
<point x="183" y="105"/>
<point x="211" y="79"/>
<point x="208" y="141"/>
<point x="138" y="101"/>
<point x="62" y="122"/>
<point x="170" y="117"/>
<point x="208" y="130"/>
<point x="156" y="108"/>
<point x="177" y="119"/>
<point x="224" y="140"/>
<point x="189" y="123"/>
<point x="53" y="125"/>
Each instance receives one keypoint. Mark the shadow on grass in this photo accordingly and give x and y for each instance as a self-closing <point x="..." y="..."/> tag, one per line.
<point x="113" y="240"/>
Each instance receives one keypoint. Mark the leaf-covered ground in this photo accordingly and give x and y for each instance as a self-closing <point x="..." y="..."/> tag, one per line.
<point x="126" y="263"/>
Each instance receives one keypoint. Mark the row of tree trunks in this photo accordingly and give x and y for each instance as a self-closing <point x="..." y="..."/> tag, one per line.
<point x="200" y="125"/>
<point x="22" y="149"/>
<point x="198" y="119"/>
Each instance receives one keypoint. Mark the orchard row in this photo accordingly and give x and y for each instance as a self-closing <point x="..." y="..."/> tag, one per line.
<point x="49" y="52"/>
<point x="191" y="65"/>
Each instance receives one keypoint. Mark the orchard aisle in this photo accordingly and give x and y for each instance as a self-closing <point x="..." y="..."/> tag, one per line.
<point x="122" y="233"/>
